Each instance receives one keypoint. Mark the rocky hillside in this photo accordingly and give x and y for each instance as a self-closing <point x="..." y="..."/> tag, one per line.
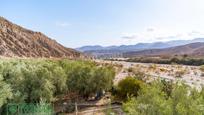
<point x="16" y="41"/>
<point x="193" y="49"/>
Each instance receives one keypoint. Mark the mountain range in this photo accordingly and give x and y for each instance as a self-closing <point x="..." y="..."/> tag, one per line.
<point x="118" y="51"/>
<point x="140" y="46"/>
<point x="16" y="41"/>
<point x="192" y="49"/>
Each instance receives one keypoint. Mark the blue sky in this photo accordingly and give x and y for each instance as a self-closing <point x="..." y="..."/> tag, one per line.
<point x="75" y="23"/>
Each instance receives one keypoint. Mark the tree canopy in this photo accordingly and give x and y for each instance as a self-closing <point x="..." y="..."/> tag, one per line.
<point x="154" y="100"/>
<point x="33" y="80"/>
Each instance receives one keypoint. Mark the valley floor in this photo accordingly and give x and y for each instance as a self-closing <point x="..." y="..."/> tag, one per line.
<point x="191" y="75"/>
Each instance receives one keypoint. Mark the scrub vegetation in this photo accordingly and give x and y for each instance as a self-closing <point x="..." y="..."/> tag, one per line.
<point x="36" y="80"/>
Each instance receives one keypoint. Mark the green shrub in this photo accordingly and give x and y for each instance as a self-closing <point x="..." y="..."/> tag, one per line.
<point x="169" y="60"/>
<point x="128" y="87"/>
<point x="5" y="92"/>
<point x="202" y="68"/>
<point x="152" y="100"/>
<point x="130" y="69"/>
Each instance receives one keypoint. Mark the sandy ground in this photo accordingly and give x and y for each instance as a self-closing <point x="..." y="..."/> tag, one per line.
<point x="191" y="75"/>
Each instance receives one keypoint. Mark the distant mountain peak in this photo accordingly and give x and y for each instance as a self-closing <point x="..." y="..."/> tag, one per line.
<point x="115" y="51"/>
<point x="193" y="49"/>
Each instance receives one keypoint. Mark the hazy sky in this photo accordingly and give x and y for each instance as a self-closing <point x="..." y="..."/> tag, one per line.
<point x="75" y="23"/>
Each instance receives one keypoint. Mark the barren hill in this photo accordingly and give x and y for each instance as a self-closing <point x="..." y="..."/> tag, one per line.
<point x="193" y="49"/>
<point x="16" y="41"/>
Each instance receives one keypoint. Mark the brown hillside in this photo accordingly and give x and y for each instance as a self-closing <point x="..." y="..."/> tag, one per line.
<point x="16" y="41"/>
<point x="193" y="49"/>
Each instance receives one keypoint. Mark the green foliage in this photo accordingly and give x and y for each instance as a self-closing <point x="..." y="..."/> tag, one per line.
<point x="130" y="69"/>
<point x="88" y="80"/>
<point x="150" y="101"/>
<point x="33" y="80"/>
<point x="128" y="87"/>
<point x="167" y="87"/>
<point x="202" y="68"/>
<point x="5" y="92"/>
<point x="178" y="60"/>
<point x="153" y="100"/>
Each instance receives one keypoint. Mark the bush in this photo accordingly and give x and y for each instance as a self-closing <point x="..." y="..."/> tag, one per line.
<point x="137" y="73"/>
<point x="152" y="100"/>
<point x="128" y="87"/>
<point x="130" y="69"/>
<point x="5" y="92"/>
<point x="180" y="73"/>
<point x="169" y="60"/>
<point x="202" y="68"/>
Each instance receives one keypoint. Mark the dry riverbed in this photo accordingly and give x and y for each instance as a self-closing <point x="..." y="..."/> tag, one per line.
<point x="191" y="75"/>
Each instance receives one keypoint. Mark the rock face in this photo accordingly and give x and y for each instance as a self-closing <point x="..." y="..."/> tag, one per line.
<point x="16" y="41"/>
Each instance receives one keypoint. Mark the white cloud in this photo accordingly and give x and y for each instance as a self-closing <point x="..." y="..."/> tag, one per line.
<point x="158" y="34"/>
<point x="150" y="29"/>
<point x="129" y="36"/>
<point x="62" y="24"/>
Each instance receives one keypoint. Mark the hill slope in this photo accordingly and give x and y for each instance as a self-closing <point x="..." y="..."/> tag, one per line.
<point x="16" y="41"/>
<point x="112" y="51"/>
<point x="193" y="49"/>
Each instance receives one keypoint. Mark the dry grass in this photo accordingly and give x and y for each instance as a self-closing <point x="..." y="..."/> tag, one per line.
<point x="202" y="68"/>
<point x="180" y="73"/>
